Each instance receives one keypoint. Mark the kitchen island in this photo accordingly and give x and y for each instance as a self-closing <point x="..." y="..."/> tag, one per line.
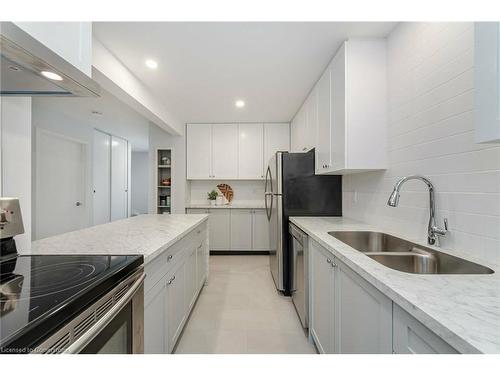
<point x="431" y="312"/>
<point x="175" y="251"/>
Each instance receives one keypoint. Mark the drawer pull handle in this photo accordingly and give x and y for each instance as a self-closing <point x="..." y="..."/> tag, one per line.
<point x="328" y="260"/>
<point x="171" y="280"/>
<point x="169" y="258"/>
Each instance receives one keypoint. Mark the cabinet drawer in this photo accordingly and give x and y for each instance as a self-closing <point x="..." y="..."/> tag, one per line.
<point x="160" y="266"/>
<point x="412" y="337"/>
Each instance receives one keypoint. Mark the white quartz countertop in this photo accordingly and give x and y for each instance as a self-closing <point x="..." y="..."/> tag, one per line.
<point x="464" y="310"/>
<point x="256" y="205"/>
<point x="148" y="235"/>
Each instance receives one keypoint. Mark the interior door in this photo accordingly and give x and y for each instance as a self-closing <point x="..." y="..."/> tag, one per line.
<point x="119" y="178"/>
<point x="61" y="202"/>
<point x="102" y="177"/>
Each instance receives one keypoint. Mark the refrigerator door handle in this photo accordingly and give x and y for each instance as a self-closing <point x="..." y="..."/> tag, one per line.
<point x="268" y="208"/>
<point x="268" y="193"/>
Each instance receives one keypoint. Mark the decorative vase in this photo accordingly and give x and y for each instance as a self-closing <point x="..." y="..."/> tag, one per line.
<point x="220" y="200"/>
<point x="212" y="202"/>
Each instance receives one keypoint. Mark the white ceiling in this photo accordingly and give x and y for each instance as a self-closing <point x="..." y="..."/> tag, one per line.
<point x="204" y="67"/>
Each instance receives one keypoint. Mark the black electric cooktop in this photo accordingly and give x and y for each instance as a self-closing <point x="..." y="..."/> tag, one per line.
<point x="40" y="293"/>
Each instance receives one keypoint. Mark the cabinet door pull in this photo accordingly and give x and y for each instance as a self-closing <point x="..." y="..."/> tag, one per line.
<point x="328" y="260"/>
<point x="169" y="258"/>
<point x="171" y="280"/>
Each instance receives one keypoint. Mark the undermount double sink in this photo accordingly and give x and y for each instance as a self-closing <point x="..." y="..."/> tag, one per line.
<point x="407" y="256"/>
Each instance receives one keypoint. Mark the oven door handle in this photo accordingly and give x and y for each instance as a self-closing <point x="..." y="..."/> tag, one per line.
<point x="88" y="336"/>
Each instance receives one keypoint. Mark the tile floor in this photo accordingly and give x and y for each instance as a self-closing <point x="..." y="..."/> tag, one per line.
<point x="239" y="311"/>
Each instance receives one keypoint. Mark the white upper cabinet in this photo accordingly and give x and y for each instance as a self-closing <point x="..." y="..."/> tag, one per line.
<point x="303" y="135"/>
<point x="233" y="151"/>
<point x="199" y="149"/>
<point x="311" y="130"/>
<point x="323" y="146"/>
<point x="487" y="81"/>
<point x="276" y="138"/>
<point x="225" y="151"/>
<point x="346" y="112"/>
<point x="337" y="116"/>
<point x="250" y="151"/>
<point x="365" y="104"/>
<point x="70" y="40"/>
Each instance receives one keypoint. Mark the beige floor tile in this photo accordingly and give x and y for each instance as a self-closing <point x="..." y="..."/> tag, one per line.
<point x="240" y="311"/>
<point x="278" y="342"/>
<point x="212" y="342"/>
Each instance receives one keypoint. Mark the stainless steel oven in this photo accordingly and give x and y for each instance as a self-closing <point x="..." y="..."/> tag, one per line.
<point x="114" y="324"/>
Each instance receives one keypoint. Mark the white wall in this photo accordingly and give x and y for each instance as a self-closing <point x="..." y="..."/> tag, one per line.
<point x="72" y="117"/>
<point x="431" y="132"/>
<point x="158" y="138"/>
<point x="15" y="161"/>
<point x="245" y="192"/>
<point x="139" y="183"/>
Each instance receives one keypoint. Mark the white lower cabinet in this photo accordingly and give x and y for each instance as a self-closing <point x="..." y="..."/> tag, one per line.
<point x="191" y="279"/>
<point x="412" y="337"/>
<point x="176" y="308"/>
<point x="201" y="263"/>
<point x="155" y="310"/>
<point x="236" y="229"/>
<point x="363" y="315"/>
<point x="349" y="315"/>
<point x="260" y="231"/>
<point x="241" y="229"/>
<point x="322" y="289"/>
<point x="219" y="233"/>
<point x="169" y="301"/>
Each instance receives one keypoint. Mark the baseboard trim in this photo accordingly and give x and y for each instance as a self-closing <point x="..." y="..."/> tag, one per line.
<point x="239" y="252"/>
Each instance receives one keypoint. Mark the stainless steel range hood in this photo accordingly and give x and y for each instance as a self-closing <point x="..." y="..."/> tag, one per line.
<point x="23" y="58"/>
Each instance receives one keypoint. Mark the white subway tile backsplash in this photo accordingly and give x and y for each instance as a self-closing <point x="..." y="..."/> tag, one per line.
<point x="431" y="132"/>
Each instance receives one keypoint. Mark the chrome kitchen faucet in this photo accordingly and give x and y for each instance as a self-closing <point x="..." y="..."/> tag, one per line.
<point x="433" y="231"/>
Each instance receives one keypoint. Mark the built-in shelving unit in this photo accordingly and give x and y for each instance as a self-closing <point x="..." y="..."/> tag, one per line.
<point x="164" y="181"/>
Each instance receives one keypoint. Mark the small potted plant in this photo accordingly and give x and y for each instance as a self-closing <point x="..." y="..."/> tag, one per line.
<point x="212" y="196"/>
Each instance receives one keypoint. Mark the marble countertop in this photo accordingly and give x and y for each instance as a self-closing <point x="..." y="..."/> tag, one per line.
<point x="257" y="205"/>
<point x="148" y="235"/>
<point x="464" y="310"/>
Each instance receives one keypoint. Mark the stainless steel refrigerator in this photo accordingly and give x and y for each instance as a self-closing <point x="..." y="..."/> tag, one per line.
<point x="293" y="189"/>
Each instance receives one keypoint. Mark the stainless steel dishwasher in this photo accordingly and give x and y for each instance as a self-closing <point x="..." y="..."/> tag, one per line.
<point x="300" y="284"/>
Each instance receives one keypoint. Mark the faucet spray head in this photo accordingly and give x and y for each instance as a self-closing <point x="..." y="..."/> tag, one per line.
<point x="394" y="198"/>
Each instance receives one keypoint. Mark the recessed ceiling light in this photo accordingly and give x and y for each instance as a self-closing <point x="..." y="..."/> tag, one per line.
<point x="151" y="64"/>
<point x="239" y="103"/>
<point x="51" y="75"/>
